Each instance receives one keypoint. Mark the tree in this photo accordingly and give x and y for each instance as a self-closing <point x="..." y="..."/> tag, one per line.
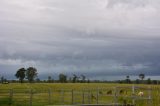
<point x="148" y="81"/>
<point x="154" y="81"/>
<point x="88" y="81"/>
<point x="31" y="73"/>
<point x="20" y="74"/>
<point x="70" y="79"/>
<point x="128" y="79"/>
<point x="137" y="81"/>
<point x="74" y="78"/>
<point x="141" y="76"/>
<point x="38" y="80"/>
<point x="49" y="79"/>
<point x="83" y="78"/>
<point x="2" y="79"/>
<point x="62" y="78"/>
<point x="5" y="81"/>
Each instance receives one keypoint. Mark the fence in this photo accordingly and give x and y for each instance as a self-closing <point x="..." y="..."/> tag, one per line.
<point x="114" y="96"/>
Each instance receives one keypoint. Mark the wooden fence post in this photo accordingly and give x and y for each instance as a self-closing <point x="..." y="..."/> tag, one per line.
<point x="62" y="96"/>
<point x="49" y="96"/>
<point x="72" y="93"/>
<point x="89" y="96"/>
<point x="149" y="96"/>
<point x="83" y="97"/>
<point x="133" y="94"/>
<point x="10" y="96"/>
<point x="97" y="95"/>
<point x="115" y="95"/>
<point x="31" y="96"/>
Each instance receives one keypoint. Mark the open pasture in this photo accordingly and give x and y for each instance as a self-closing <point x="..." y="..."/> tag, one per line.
<point x="42" y="94"/>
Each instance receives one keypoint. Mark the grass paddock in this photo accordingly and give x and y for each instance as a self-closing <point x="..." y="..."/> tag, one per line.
<point x="43" y="94"/>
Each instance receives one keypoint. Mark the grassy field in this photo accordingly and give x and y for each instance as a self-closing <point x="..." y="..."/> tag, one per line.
<point x="42" y="94"/>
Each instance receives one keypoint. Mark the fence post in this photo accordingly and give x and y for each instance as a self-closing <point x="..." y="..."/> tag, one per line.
<point x="133" y="94"/>
<point x="72" y="93"/>
<point x="115" y="95"/>
<point x="49" y="96"/>
<point x="62" y="96"/>
<point x="83" y="96"/>
<point x="89" y="96"/>
<point x="97" y="95"/>
<point x="31" y="96"/>
<point x="149" y="96"/>
<point x="10" y="96"/>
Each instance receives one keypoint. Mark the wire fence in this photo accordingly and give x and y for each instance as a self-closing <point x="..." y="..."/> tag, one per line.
<point x="113" y="96"/>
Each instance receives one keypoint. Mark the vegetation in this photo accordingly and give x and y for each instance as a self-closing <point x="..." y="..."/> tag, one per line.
<point x="83" y="78"/>
<point x="31" y="73"/>
<point x="65" y="90"/>
<point x="60" y="93"/>
<point x="50" y="80"/>
<point x="62" y="78"/>
<point x="141" y="76"/>
<point x="127" y="79"/>
<point x="2" y="79"/>
<point x="20" y="74"/>
<point x="75" y="78"/>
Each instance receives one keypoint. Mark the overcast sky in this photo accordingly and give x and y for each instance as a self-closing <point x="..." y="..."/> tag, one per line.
<point x="98" y="38"/>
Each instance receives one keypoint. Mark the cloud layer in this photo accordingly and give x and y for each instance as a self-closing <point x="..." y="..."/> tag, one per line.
<point x="94" y="37"/>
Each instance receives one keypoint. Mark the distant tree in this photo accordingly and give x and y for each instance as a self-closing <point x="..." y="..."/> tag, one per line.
<point x="75" y="77"/>
<point x="83" y="78"/>
<point x="38" y="80"/>
<point x="137" y="81"/>
<point x="49" y="79"/>
<point x="141" y="76"/>
<point x="88" y="81"/>
<point x="148" y="81"/>
<point x="70" y="79"/>
<point x="2" y="79"/>
<point x="31" y="73"/>
<point x="119" y="81"/>
<point x="128" y="79"/>
<point x="5" y="80"/>
<point x="62" y="78"/>
<point x="154" y="81"/>
<point x="20" y="74"/>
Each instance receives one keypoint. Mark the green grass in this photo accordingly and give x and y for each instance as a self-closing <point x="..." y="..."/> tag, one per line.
<point x="62" y="94"/>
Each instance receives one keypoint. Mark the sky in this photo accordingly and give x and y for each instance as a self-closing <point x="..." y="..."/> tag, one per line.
<point x="97" y="38"/>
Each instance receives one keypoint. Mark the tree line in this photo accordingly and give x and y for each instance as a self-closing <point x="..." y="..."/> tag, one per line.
<point x="31" y="75"/>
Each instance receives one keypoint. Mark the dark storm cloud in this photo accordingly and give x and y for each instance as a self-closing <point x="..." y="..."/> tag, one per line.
<point x="107" y="37"/>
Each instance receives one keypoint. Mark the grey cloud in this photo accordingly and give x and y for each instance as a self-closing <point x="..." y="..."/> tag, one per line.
<point x="130" y="3"/>
<point x="91" y="37"/>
